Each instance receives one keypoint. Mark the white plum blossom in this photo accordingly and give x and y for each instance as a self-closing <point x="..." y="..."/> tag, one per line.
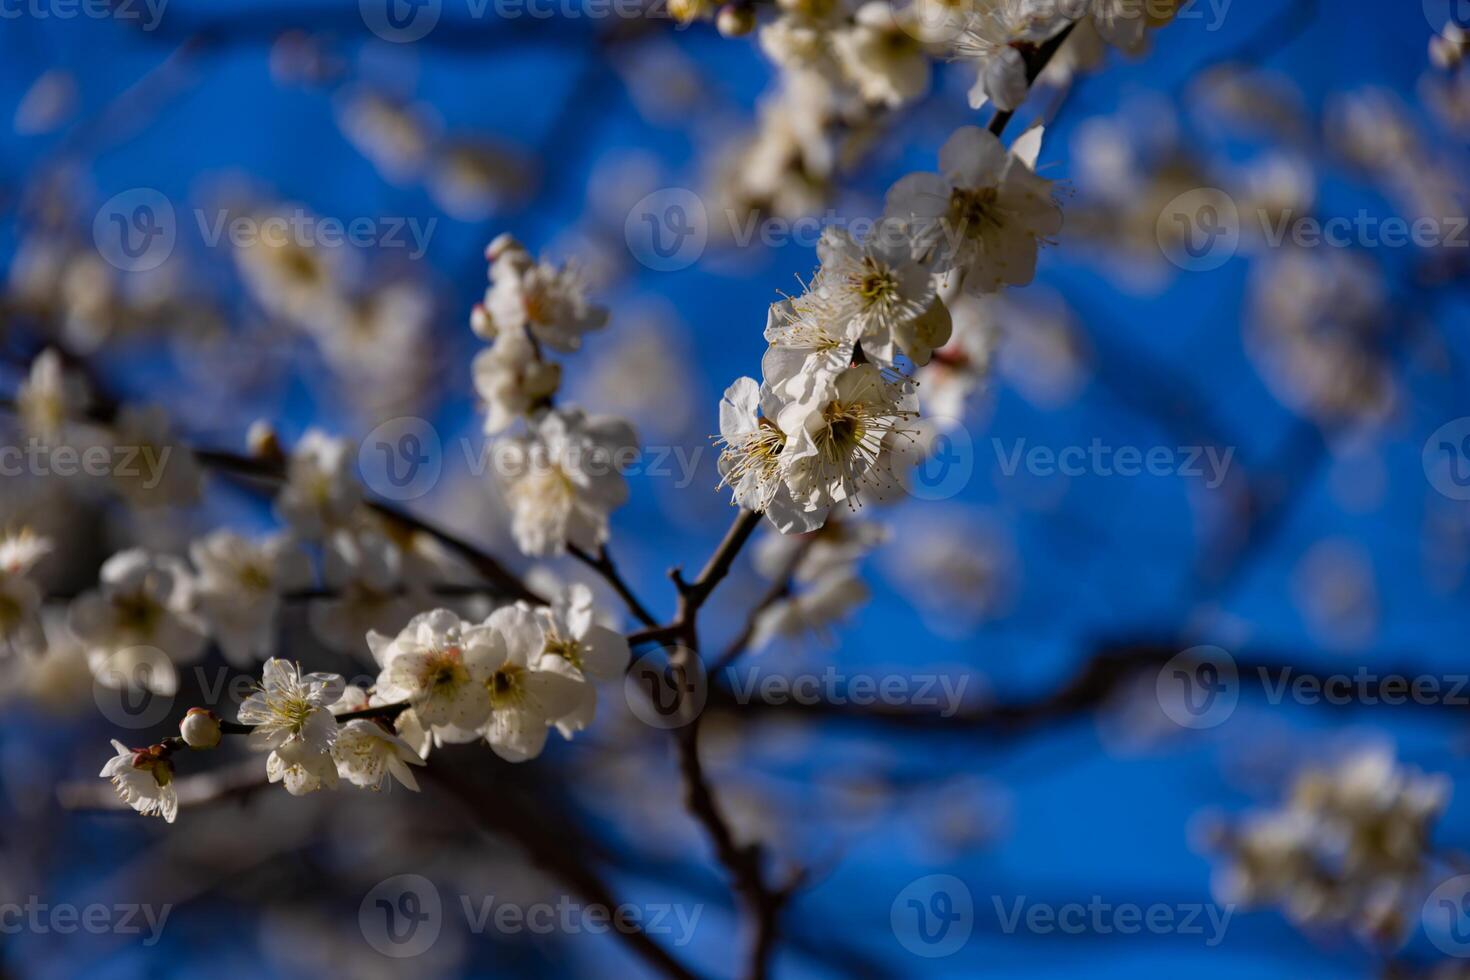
<point x="985" y="213"/>
<point x="808" y="344"/>
<point x="751" y="459"/>
<point x="574" y="636"/>
<point x="439" y="665"/>
<point x="826" y="600"/>
<point x="143" y="779"/>
<point x="963" y="365"/>
<point x="562" y="479"/>
<point x="238" y="589"/>
<point x="547" y="302"/>
<point x="579" y="646"/>
<point x="50" y="398"/>
<point x="823" y="571"/>
<point x="1351" y="845"/>
<point x="884" y="295"/>
<point x="995" y="36"/>
<point x="138" y="625"/>
<point x="366" y="571"/>
<point x="512" y="379"/>
<point x="527" y="692"/>
<point x="367" y="752"/>
<point x="157" y="471"/>
<point x="840" y="439"/>
<point x="21" y="628"/>
<point x="880" y="57"/>
<point x="321" y="492"/>
<point x="465" y="681"/>
<point x="291" y="718"/>
<point x="1125" y="23"/>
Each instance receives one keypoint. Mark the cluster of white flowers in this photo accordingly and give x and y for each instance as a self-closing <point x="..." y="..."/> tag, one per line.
<point x="561" y="475"/>
<point x="826" y="584"/>
<point x="139" y="624"/>
<point x="844" y="65"/>
<point x="1350" y="847"/>
<point x="836" y="407"/>
<point x="507" y="680"/>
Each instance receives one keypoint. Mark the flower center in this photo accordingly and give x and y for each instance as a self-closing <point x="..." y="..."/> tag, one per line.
<point x="136" y="613"/>
<point x="445" y="669"/>
<point x="566" y="648"/>
<point x="505" y="686"/>
<point x="973" y="210"/>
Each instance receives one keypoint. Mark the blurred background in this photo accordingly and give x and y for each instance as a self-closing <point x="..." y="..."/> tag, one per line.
<point x="1307" y="518"/>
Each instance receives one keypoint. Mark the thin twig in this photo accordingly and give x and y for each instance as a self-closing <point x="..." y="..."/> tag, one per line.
<point x="603" y="564"/>
<point x="1036" y="63"/>
<point x="781" y="587"/>
<point x="483" y="562"/>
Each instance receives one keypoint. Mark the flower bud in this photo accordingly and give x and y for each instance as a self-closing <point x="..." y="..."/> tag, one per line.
<point x="688" y="11"/>
<point x="735" y="20"/>
<point x="481" y="323"/>
<point x="200" y="728"/>
<point x="503" y="242"/>
<point x="263" y="443"/>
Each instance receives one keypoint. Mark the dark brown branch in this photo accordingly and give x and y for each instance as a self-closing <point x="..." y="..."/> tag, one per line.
<point x="744" y="863"/>
<point x="1103" y="676"/>
<point x="603" y="564"/>
<point x="781" y="587"/>
<point x="548" y="850"/>
<point x="487" y="565"/>
<point x="1036" y="62"/>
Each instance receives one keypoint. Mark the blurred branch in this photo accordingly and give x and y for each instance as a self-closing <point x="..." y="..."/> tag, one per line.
<point x="1108" y="672"/>
<point x="499" y="812"/>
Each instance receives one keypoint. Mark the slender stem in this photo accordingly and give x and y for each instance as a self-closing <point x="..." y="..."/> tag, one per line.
<point x="1036" y="63"/>
<point x="483" y="562"/>
<point x="781" y="587"/>
<point x="603" y="564"/>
